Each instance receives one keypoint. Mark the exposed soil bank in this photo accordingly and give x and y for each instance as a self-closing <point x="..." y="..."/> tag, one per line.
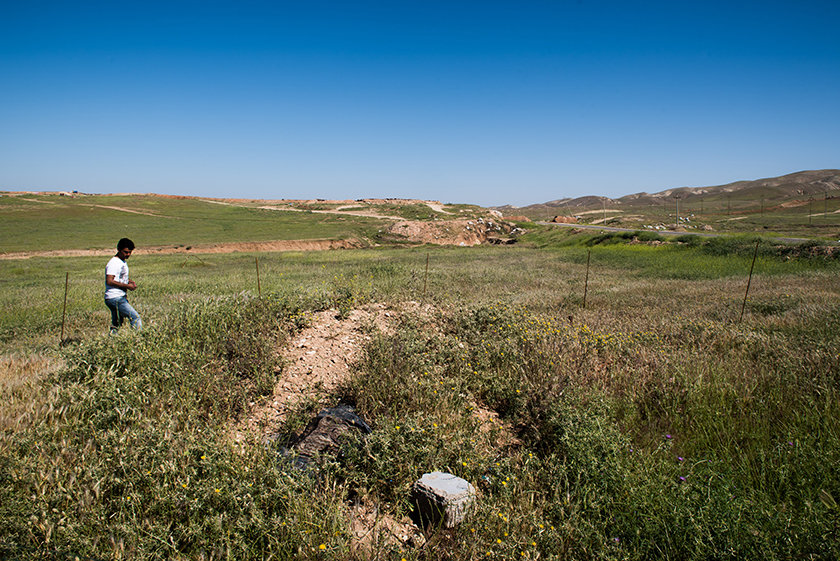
<point x="232" y="247"/>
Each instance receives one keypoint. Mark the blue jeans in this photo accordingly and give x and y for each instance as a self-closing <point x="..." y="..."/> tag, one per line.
<point x="121" y="309"/>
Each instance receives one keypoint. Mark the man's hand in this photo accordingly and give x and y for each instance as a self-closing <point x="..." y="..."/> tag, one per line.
<point x="131" y="285"/>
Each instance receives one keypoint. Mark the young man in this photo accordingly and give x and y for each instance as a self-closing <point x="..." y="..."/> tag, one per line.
<point x="116" y="284"/>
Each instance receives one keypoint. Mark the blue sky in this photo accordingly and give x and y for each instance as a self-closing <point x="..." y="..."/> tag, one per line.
<point x="482" y="102"/>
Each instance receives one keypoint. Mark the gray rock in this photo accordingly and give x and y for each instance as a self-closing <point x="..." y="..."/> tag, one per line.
<point x="442" y="499"/>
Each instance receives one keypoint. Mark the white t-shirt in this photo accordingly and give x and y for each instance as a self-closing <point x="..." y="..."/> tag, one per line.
<point x="119" y="269"/>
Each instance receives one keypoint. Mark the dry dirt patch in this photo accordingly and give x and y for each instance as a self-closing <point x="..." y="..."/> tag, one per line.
<point x="317" y="361"/>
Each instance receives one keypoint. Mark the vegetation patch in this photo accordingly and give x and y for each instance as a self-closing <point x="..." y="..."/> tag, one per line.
<point x="654" y="421"/>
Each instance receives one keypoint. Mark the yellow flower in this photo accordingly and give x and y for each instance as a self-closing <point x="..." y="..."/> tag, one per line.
<point x="218" y="490"/>
<point x="322" y="547"/>
<point x="498" y="540"/>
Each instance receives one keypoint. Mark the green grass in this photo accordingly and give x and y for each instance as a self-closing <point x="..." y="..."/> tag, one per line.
<point x="649" y="424"/>
<point x="84" y="222"/>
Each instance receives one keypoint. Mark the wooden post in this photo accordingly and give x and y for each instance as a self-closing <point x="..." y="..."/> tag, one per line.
<point x="749" y="281"/>
<point x="586" y="282"/>
<point x="257" y="262"/>
<point x="425" y="278"/>
<point x="64" y="312"/>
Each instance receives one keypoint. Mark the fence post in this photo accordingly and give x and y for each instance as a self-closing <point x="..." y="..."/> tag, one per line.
<point x="586" y="282"/>
<point x="425" y="278"/>
<point x="257" y="263"/>
<point x="64" y="311"/>
<point x="749" y="281"/>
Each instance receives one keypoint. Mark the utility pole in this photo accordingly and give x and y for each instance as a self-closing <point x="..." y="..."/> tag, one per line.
<point x="677" y="221"/>
<point x="810" y="209"/>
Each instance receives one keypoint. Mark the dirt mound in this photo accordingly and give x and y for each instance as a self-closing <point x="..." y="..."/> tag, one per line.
<point x="449" y="232"/>
<point x="317" y="360"/>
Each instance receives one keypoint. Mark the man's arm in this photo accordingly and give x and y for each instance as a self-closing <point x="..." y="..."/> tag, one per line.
<point x="111" y="281"/>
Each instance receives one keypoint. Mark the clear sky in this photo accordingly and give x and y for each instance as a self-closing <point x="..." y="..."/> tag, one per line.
<point x="490" y="102"/>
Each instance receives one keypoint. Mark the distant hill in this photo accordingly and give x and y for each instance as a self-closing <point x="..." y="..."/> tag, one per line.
<point x="794" y="185"/>
<point x="803" y="184"/>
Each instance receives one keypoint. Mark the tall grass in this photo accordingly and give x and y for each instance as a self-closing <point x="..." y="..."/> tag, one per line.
<point x="648" y="425"/>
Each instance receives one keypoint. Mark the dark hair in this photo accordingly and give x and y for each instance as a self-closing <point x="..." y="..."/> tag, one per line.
<point x="125" y="243"/>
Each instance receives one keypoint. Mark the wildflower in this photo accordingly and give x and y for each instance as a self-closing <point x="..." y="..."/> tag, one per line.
<point x="680" y="458"/>
<point x="218" y="490"/>
<point x="322" y="547"/>
<point x="682" y="478"/>
<point x="397" y="427"/>
<point x="498" y="540"/>
<point x="668" y="437"/>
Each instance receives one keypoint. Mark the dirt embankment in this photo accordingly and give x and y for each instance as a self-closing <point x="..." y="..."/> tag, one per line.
<point x="232" y="247"/>
<point x="449" y="232"/>
<point x="439" y="232"/>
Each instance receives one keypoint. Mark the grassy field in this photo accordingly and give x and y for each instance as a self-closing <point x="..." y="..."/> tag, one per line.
<point x="650" y="423"/>
<point x="49" y="222"/>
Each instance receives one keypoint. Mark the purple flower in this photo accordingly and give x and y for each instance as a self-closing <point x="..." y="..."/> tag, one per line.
<point x="616" y="540"/>
<point x="668" y="436"/>
<point x="790" y="443"/>
<point x="682" y="478"/>
<point x="680" y="458"/>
